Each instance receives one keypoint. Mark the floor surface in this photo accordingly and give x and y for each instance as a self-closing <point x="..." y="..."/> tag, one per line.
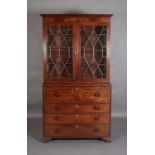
<point x="77" y="147"/>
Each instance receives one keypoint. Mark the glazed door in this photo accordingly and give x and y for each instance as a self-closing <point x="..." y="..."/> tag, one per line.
<point x="59" y="52"/>
<point x="77" y="50"/>
<point x="94" y="54"/>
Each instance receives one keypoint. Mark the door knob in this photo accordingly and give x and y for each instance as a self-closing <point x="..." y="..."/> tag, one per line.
<point x="96" y="118"/>
<point x="56" y="94"/>
<point x="97" y="94"/>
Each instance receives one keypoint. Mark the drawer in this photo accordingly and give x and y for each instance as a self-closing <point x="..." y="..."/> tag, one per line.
<point x="76" y="131"/>
<point x="76" y="94"/>
<point x="76" y="118"/>
<point x="58" y="94"/>
<point x="77" y="108"/>
<point x="96" y="94"/>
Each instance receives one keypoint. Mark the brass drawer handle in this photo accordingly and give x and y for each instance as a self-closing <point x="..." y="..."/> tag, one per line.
<point x="58" y="130"/>
<point x="96" y="130"/>
<point x="57" y="108"/>
<point x="96" y="107"/>
<point x="96" y="118"/>
<point x="97" y="94"/>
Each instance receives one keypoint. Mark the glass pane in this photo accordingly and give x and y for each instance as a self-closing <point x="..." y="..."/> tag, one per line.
<point x="59" y="51"/>
<point x="93" y="51"/>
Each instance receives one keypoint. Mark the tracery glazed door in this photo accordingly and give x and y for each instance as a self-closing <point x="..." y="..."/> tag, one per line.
<point x="59" y="51"/>
<point x="94" y="50"/>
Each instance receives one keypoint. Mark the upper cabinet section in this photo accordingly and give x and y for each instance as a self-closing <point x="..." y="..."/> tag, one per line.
<point x="76" y="48"/>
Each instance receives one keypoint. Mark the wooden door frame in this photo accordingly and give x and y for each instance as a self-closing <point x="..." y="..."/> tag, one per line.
<point x="86" y="22"/>
<point x="47" y="22"/>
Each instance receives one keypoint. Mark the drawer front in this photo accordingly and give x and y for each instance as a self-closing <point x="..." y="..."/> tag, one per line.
<point x="76" y="118"/>
<point x="58" y="94"/>
<point x="96" y="94"/>
<point x="77" y="108"/>
<point x="76" y="94"/>
<point x="76" y="131"/>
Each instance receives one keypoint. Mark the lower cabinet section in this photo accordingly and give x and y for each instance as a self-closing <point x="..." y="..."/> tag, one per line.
<point x="77" y="112"/>
<point x="76" y="131"/>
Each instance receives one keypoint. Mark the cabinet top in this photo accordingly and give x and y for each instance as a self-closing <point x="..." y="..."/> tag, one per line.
<point x="85" y="15"/>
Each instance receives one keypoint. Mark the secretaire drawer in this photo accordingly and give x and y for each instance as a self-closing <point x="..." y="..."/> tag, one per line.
<point x="76" y="94"/>
<point x="76" y="130"/>
<point x="76" y="118"/>
<point x="77" y="108"/>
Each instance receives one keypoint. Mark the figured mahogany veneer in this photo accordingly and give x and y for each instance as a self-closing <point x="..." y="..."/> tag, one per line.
<point x="76" y="118"/>
<point x="96" y="94"/>
<point x="76" y="108"/>
<point x="76" y="73"/>
<point x="76" y="131"/>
